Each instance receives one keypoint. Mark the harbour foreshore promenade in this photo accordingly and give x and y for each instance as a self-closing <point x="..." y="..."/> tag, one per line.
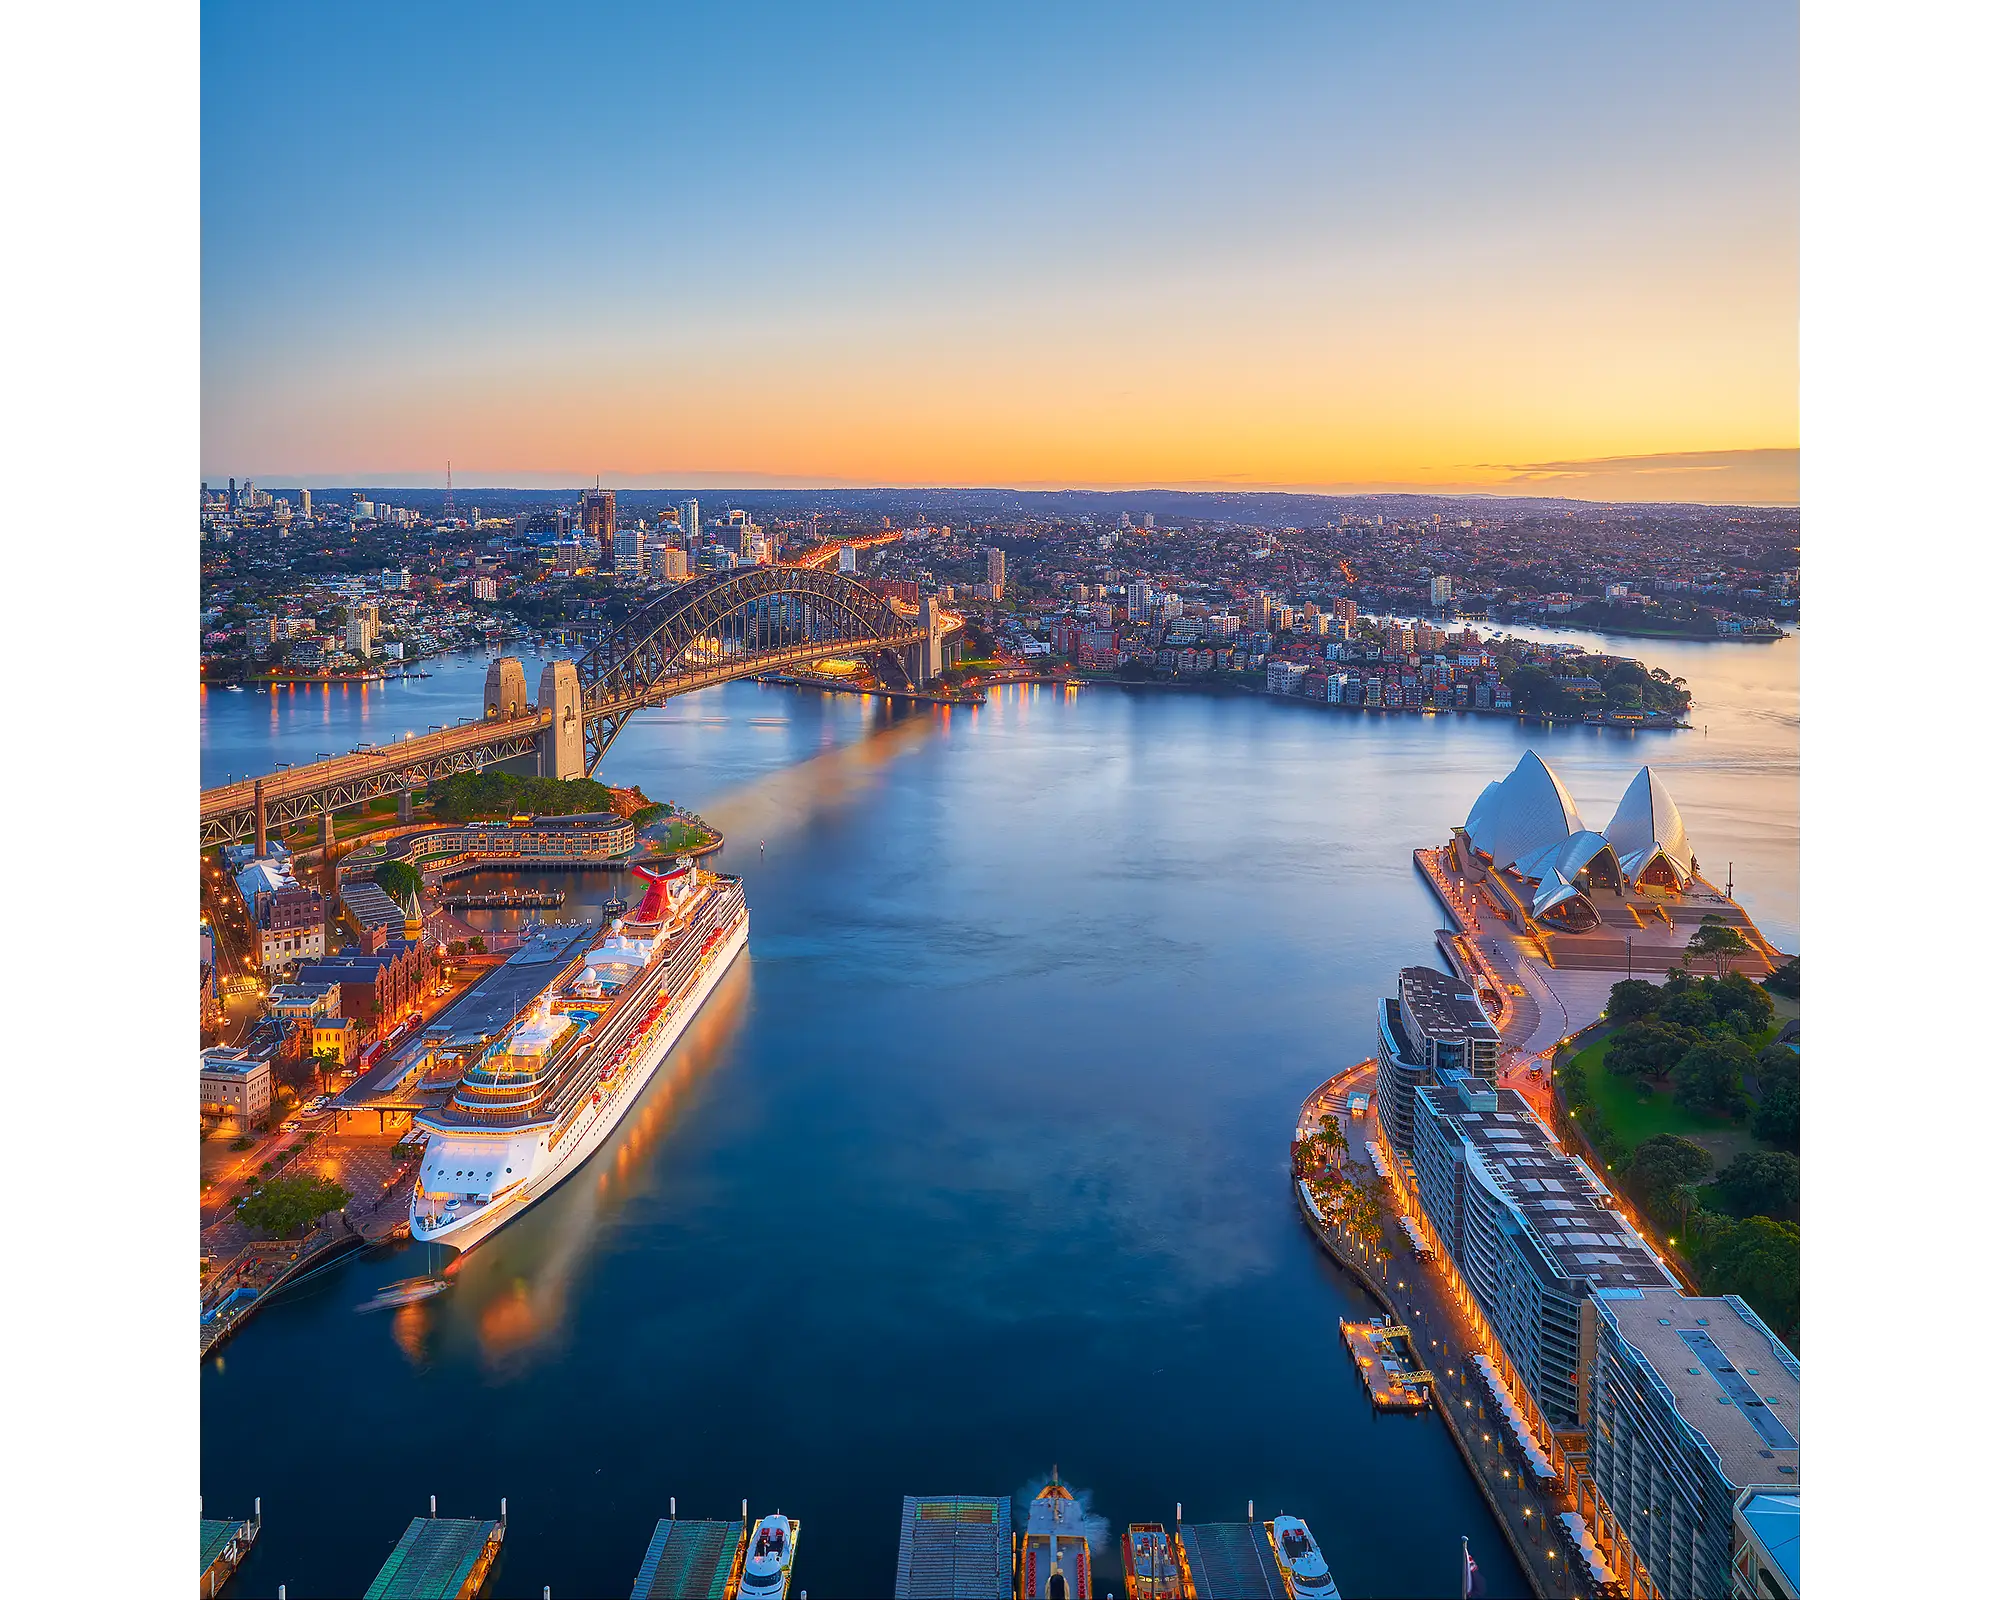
<point x="1417" y="1294"/>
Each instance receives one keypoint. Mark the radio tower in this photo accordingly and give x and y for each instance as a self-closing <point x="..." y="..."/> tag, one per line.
<point x="450" y="514"/>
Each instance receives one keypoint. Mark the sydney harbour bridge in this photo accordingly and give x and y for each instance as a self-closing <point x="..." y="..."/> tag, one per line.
<point x="729" y="625"/>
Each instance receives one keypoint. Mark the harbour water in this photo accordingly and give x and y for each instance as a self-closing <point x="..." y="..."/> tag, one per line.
<point x="979" y="1159"/>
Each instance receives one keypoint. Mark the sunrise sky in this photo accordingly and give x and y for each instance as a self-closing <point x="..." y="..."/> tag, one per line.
<point x="1536" y="248"/>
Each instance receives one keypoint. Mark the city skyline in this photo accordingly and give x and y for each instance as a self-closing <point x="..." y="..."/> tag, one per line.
<point x="1542" y="254"/>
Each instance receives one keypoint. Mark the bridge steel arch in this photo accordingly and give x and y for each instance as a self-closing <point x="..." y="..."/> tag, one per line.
<point x="734" y="624"/>
<point x="729" y="625"/>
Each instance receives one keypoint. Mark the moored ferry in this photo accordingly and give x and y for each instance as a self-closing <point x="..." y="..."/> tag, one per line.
<point x="767" y="1558"/>
<point x="1306" y="1572"/>
<point x="536" y="1104"/>
<point x="1055" y="1550"/>
<point x="1152" y="1564"/>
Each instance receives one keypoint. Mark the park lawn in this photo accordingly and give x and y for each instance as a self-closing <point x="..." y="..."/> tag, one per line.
<point x="1632" y="1116"/>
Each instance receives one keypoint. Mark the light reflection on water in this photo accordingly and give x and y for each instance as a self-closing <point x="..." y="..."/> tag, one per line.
<point x="987" y="1167"/>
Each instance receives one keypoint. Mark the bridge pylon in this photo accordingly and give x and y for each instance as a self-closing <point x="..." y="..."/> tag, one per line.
<point x="561" y="747"/>
<point x="506" y="689"/>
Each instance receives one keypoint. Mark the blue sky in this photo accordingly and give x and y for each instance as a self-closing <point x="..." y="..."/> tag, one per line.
<point x="1118" y="243"/>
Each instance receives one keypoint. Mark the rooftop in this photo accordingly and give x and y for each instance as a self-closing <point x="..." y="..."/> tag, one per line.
<point x="434" y="1558"/>
<point x="1557" y="1197"/>
<point x="955" y="1545"/>
<point x="1731" y="1381"/>
<point x="688" y="1557"/>
<point x="1232" y="1558"/>
<point x="1443" y="1005"/>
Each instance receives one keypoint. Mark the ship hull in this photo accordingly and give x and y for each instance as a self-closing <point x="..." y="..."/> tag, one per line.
<point x="488" y="1220"/>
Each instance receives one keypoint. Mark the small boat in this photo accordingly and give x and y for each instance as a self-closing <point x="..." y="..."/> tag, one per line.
<point x="406" y="1292"/>
<point x="767" y="1559"/>
<point x="236" y="688"/>
<point x="1305" y="1569"/>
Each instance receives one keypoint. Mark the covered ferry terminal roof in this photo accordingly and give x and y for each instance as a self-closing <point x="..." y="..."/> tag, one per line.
<point x="483" y="1012"/>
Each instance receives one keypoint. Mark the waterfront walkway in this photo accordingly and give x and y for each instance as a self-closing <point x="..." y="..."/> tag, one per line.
<point x="1418" y="1295"/>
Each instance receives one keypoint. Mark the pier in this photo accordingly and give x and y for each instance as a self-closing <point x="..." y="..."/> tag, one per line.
<point x="440" y="1558"/>
<point x="1232" y="1558"/>
<point x="956" y="1545"/>
<point x="691" y="1559"/>
<point x="224" y="1544"/>
<point x="1385" y="1354"/>
<point x="502" y="900"/>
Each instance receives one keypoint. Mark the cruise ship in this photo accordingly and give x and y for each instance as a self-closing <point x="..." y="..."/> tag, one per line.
<point x="1055" y="1551"/>
<point x="533" y="1107"/>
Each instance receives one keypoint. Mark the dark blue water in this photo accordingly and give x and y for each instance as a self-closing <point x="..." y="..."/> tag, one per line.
<point x="977" y="1163"/>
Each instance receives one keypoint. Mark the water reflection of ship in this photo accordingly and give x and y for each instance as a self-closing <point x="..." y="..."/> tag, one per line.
<point x="516" y="1286"/>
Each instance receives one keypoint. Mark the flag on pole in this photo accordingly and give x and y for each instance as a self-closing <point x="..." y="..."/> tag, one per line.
<point x="1470" y="1585"/>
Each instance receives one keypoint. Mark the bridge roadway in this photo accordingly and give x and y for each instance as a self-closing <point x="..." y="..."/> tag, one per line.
<point x="298" y="794"/>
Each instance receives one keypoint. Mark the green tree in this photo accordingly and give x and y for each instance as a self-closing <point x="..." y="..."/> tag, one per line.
<point x="1710" y="1076"/>
<point x="477" y="945"/>
<point x="1776" y="1119"/>
<point x="1785" y="980"/>
<point x="1759" y="1260"/>
<point x="1762" y="1183"/>
<point x="1691" y="1006"/>
<point x="1649" y="1048"/>
<point x="1740" y="1003"/>
<point x="1633" y="998"/>
<point x="1333" y="1141"/>
<point x="1715" y="939"/>
<point x="1661" y="1174"/>
<point x="289" y="1205"/>
<point x="399" y="880"/>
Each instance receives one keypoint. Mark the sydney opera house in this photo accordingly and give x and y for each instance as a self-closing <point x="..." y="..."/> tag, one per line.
<point x="1526" y="830"/>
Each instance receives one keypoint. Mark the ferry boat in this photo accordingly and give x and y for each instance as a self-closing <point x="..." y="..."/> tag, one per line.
<point x="1055" y="1551"/>
<point x="767" y="1558"/>
<point x="407" y="1292"/>
<point x="535" y="1106"/>
<point x="1152" y="1566"/>
<point x="1305" y="1569"/>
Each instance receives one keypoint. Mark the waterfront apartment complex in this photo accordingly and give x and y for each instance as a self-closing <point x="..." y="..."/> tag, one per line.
<point x="1432" y="1024"/>
<point x="1532" y="1231"/>
<point x="594" y="836"/>
<point x="1693" y="1411"/>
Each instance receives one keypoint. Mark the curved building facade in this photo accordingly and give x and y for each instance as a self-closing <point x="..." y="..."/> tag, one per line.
<point x="1526" y="825"/>
<point x="1649" y="836"/>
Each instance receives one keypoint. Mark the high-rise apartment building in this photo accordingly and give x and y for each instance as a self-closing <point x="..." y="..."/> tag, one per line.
<point x="1691" y="1405"/>
<point x="628" y="553"/>
<point x="485" y="589"/>
<point x="996" y="570"/>
<point x="1138" y="599"/>
<point x="306" y="505"/>
<point x="1432" y="1023"/>
<point x="846" y="558"/>
<point x="600" y="514"/>
<point x="1441" y="590"/>
<point x="691" y="522"/>
<point x="670" y="563"/>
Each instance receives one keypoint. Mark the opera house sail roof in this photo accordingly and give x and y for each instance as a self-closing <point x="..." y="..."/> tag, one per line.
<point x="1527" y="824"/>
<point x="1523" y="815"/>
<point x="1647" y="829"/>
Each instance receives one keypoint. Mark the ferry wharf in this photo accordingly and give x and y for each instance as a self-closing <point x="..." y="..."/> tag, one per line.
<point x="440" y="1558"/>
<point x="1414" y="1295"/>
<point x="224" y="1544"/>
